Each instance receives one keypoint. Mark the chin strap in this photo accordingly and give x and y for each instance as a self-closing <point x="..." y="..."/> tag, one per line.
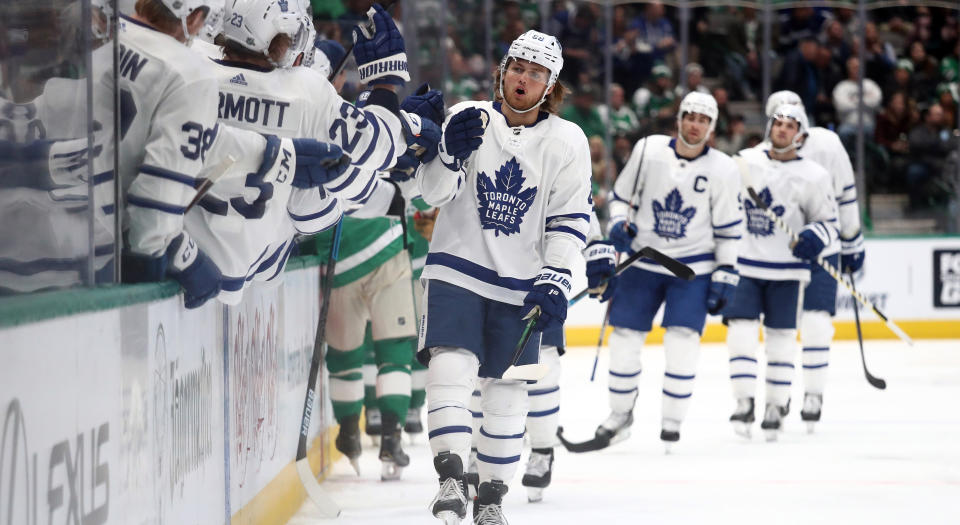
<point x="515" y="110"/>
<point x="687" y="144"/>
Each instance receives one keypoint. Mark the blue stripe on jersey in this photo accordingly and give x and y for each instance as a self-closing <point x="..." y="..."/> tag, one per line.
<point x="743" y="376"/>
<point x="566" y="229"/>
<point x="743" y="358"/>
<point x="100" y="178"/>
<point x="618" y="391"/>
<point x="496" y="459"/>
<point x="282" y="263"/>
<point x="543" y="391"/>
<point x="574" y="216"/>
<point x="476" y="393"/>
<point x="776" y="363"/>
<point x="480" y="273"/>
<point x="734" y="237"/>
<point x="774" y="265"/>
<point x="500" y="436"/>
<point x="808" y="367"/>
<point x="619" y="198"/>
<point x="312" y="216"/>
<point x="155" y="205"/>
<point x="816" y="348"/>
<point x="103" y="249"/>
<point x="778" y="383"/>
<point x="109" y="209"/>
<point x="366" y="192"/>
<point x="476" y="414"/>
<point x="372" y="145"/>
<point x="722" y="226"/>
<point x="544" y="413"/>
<point x="449" y="430"/>
<point x="617" y="374"/>
<point x="676" y="396"/>
<point x="845" y="188"/>
<point x="388" y="159"/>
<point x="678" y="376"/>
<point x="349" y="180"/>
<point x="167" y="174"/>
<point x="851" y="201"/>
<point x="270" y="260"/>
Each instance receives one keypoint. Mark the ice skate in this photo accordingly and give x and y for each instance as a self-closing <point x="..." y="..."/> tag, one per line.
<point x="772" y="421"/>
<point x="669" y="433"/>
<point x="742" y="417"/>
<point x="487" y="510"/>
<point x="392" y="456"/>
<point x="537" y="476"/>
<point x="414" y="425"/>
<point x="473" y="476"/>
<point x="372" y="425"/>
<point x="450" y="503"/>
<point x="810" y="413"/>
<point x="348" y="440"/>
<point x="614" y="429"/>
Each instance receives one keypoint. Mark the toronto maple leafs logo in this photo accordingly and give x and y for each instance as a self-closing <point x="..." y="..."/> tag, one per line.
<point x="283" y="5"/>
<point x="670" y="219"/>
<point x="503" y="202"/>
<point x="757" y="222"/>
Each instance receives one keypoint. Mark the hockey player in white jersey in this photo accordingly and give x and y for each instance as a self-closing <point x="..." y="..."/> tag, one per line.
<point x="819" y="297"/>
<point x="512" y="182"/>
<point x="679" y="196"/>
<point x="772" y="271"/>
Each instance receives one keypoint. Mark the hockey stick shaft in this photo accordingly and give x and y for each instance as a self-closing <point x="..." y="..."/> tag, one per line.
<point x="874" y="381"/>
<point x="209" y="182"/>
<point x="326" y="505"/>
<point x="829" y="268"/>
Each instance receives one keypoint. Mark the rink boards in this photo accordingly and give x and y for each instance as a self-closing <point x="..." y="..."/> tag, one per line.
<point x="121" y="407"/>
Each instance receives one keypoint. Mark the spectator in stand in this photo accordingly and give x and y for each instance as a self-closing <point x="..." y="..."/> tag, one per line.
<point x="947" y="97"/>
<point x="583" y="112"/>
<point x="694" y="72"/>
<point x="579" y="40"/>
<point x="799" y="24"/>
<point x="744" y="43"/>
<point x="654" y="105"/>
<point x="621" y="120"/>
<point x="926" y="74"/>
<point x="930" y="143"/>
<point x="736" y="137"/>
<point x="902" y="79"/>
<point x="460" y="85"/>
<point x="846" y="99"/>
<point x="723" y="110"/>
<point x="896" y="31"/>
<point x="799" y="73"/>
<point x="834" y="40"/>
<point x="829" y="74"/>
<point x="880" y="55"/>
<point x="622" y="148"/>
<point x="513" y="28"/>
<point x="599" y="165"/>
<point x="893" y="124"/>
<point x="655" y="34"/>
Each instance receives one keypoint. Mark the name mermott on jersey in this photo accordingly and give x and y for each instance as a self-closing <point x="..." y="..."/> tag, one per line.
<point x="243" y="108"/>
<point x="757" y="222"/>
<point x="502" y="204"/>
<point x="670" y="219"/>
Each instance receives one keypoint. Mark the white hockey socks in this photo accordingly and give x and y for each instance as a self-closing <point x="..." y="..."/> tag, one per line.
<point x="450" y="381"/>
<point x="816" y="332"/>
<point x="501" y="434"/>
<point x="544" y="399"/>
<point x="743" y="338"/>
<point x="781" y="353"/>
<point x="681" y="346"/>
<point x="625" y="345"/>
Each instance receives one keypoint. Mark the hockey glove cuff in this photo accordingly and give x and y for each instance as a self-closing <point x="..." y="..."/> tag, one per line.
<point x="194" y="270"/>
<point x="852" y="254"/>
<point x="548" y="298"/>
<point x="811" y="241"/>
<point x="601" y="269"/>
<point x="723" y="287"/>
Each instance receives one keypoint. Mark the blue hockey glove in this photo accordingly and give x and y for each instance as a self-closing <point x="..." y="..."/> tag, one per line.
<point x="379" y="49"/>
<point x="601" y="264"/>
<point x="723" y="286"/>
<point x="194" y="270"/>
<point x="621" y="236"/>
<point x="426" y="102"/>
<point x="811" y="241"/>
<point x="851" y="254"/>
<point x="462" y="135"/>
<point x="549" y="297"/>
<point x="423" y="138"/>
<point x="318" y="163"/>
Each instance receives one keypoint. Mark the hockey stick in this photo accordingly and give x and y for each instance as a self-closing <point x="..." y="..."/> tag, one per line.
<point x="829" y="268"/>
<point x="533" y="372"/>
<point x="205" y="186"/>
<point x="874" y="381"/>
<point x="328" y="508"/>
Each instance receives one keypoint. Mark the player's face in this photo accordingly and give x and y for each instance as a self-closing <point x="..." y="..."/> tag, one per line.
<point x="524" y="83"/>
<point x="694" y="127"/>
<point x="783" y="131"/>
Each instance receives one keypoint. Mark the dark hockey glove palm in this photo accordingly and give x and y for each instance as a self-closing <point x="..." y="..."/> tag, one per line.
<point x="549" y="297"/>
<point x="852" y="254"/>
<point x="380" y="50"/>
<point x="423" y="139"/>
<point x="601" y="264"/>
<point x="621" y="235"/>
<point x="426" y="102"/>
<point x="811" y="241"/>
<point x="723" y="286"/>
<point x="462" y="135"/>
<point x="184" y="262"/>
<point x="318" y="163"/>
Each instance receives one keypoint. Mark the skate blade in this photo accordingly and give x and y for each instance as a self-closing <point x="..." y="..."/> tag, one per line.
<point x="390" y="471"/>
<point x="742" y="429"/>
<point x="355" y="463"/>
<point x="620" y="436"/>
<point x="412" y="438"/>
<point x="448" y="517"/>
<point x="771" y="435"/>
<point x="534" y="494"/>
<point x="667" y="447"/>
<point x="375" y="440"/>
<point x="810" y="427"/>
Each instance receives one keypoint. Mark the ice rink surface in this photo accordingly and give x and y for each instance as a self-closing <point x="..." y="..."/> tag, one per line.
<point x="876" y="457"/>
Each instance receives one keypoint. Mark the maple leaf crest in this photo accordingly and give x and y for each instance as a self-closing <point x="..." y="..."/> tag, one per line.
<point x="503" y="202"/>
<point x="757" y="221"/>
<point x="670" y="219"/>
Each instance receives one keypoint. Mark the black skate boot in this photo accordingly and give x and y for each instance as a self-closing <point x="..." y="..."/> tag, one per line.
<point x="772" y="421"/>
<point x="487" y="510"/>
<point x="537" y="476"/>
<point x="348" y="440"/>
<point x="414" y="425"/>
<point x="614" y="429"/>
<point x="743" y="417"/>
<point x="669" y="433"/>
<point x="372" y="424"/>
<point x="812" y="403"/>
<point x="785" y="409"/>
<point x="450" y="504"/>
<point x="392" y="456"/>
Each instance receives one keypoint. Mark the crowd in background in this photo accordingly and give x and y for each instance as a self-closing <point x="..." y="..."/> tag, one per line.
<point x="910" y="86"/>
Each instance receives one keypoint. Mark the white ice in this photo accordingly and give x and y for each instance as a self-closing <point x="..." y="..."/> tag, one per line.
<point x="876" y="457"/>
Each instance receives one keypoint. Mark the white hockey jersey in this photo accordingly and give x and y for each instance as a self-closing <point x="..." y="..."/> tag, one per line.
<point x="824" y="147"/>
<point x="686" y="208"/>
<point x="520" y="202"/>
<point x="801" y="193"/>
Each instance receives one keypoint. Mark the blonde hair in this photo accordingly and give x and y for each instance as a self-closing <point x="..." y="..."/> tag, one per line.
<point x="551" y="104"/>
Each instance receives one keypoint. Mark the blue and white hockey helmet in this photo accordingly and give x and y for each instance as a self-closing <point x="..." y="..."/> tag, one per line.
<point x="780" y="98"/>
<point x="255" y="23"/>
<point x="539" y="48"/>
<point x="702" y="103"/>
<point x="795" y="113"/>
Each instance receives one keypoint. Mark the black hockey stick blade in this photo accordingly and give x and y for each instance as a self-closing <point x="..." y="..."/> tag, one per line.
<point x="874" y="381"/>
<point x="676" y="267"/>
<point x="590" y="445"/>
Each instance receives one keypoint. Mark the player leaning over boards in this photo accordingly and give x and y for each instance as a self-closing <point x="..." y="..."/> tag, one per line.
<point x="679" y="196"/>
<point x="512" y="182"/>
<point x="170" y="141"/>
<point x="820" y="295"/>
<point x="800" y="192"/>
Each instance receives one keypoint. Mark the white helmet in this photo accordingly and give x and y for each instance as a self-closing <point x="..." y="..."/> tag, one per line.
<point x="539" y="48"/>
<point x="255" y="23"/>
<point x="780" y="98"/>
<point x="307" y="47"/>
<point x="790" y="111"/>
<point x="213" y="25"/>
<point x="182" y="9"/>
<point x="702" y="103"/>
